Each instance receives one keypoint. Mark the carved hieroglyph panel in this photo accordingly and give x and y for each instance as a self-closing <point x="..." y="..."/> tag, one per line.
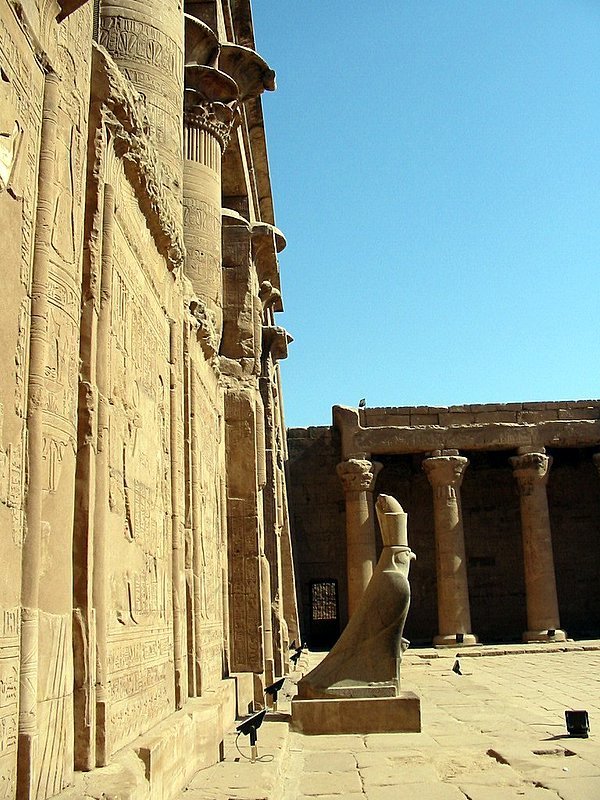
<point x="209" y="539"/>
<point x="21" y="95"/>
<point x="9" y="695"/>
<point x="21" y="92"/>
<point x="140" y="691"/>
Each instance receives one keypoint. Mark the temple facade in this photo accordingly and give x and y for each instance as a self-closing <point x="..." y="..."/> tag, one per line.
<point x="147" y="593"/>
<point x="503" y="507"/>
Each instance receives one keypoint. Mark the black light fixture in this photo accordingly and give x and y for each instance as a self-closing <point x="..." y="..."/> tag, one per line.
<point x="460" y="638"/>
<point x="273" y="689"/>
<point x="551" y="632"/>
<point x="249" y="728"/>
<point x="578" y="723"/>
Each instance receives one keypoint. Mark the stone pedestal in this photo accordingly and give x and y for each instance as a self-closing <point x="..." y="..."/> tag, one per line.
<point x="445" y="473"/>
<point x="543" y="623"/>
<point x="358" y="715"/>
<point x="358" y="479"/>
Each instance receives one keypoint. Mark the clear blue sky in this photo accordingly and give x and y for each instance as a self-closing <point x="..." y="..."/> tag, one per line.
<point x="435" y="168"/>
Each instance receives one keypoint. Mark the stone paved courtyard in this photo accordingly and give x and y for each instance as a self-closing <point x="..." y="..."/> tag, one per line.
<point x="496" y="732"/>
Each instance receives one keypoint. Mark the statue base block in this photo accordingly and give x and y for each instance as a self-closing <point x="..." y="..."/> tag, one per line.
<point x="360" y="715"/>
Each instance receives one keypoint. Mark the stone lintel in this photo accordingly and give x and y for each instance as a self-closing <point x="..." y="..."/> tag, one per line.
<point x="492" y="436"/>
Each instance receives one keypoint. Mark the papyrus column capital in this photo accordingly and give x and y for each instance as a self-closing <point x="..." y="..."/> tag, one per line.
<point x="358" y="474"/>
<point x="445" y="472"/>
<point x="531" y="470"/>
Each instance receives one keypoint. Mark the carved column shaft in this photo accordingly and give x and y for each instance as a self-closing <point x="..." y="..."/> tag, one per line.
<point x="30" y="576"/>
<point x="146" y="42"/>
<point x="101" y="581"/>
<point x="202" y="215"/>
<point x="445" y="474"/>
<point x="531" y="472"/>
<point x="177" y="522"/>
<point x="358" y="479"/>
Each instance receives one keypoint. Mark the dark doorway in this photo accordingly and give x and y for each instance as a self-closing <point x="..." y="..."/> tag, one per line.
<point x="324" y="614"/>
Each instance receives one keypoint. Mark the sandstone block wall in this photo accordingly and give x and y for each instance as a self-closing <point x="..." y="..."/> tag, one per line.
<point x="489" y="502"/>
<point x="130" y="597"/>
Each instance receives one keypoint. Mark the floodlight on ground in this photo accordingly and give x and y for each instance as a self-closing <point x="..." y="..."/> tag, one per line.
<point x="249" y="727"/>
<point x="460" y="638"/>
<point x="273" y="689"/>
<point x="551" y="632"/>
<point x="578" y="723"/>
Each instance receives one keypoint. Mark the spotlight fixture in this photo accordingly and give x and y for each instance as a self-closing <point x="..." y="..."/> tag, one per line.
<point x="460" y="638"/>
<point x="578" y="723"/>
<point x="273" y="689"/>
<point x="249" y="728"/>
<point x="551" y="632"/>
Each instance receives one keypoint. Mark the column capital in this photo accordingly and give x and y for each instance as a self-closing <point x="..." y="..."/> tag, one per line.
<point x="445" y="470"/>
<point x="358" y="474"/>
<point x="531" y="469"/>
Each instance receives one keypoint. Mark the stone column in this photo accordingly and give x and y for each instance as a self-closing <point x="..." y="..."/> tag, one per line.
<point x="543" y="623"/>
<point x="358" y="479"/>
<point x="210" y="114"/>
<point x="146" y="42"/>
<point x="445" y="470"/>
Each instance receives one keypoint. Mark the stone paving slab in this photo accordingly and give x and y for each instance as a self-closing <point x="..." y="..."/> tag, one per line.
<point x="497" y="732"/>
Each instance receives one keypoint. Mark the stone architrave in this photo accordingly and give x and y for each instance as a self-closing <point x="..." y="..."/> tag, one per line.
<point x="358" y="479"/>
<point x="531" y="471"/>
<point x="445" y="473"/>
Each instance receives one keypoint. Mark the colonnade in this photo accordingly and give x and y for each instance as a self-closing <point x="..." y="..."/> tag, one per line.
<point x="445" y="470"/>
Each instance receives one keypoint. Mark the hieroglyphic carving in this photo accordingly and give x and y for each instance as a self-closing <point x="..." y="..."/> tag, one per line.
<point x="9" y="684"/>
<point x="140" y="621"/>
<point x="203" y="247"/>
<point x="140" y="684"/>
<point x="55" y="703"/>
<point x="125" y="115"/>
<point x="21" y="82"/>
<point x="12" y="481"/>
<point x="153" y="61"/>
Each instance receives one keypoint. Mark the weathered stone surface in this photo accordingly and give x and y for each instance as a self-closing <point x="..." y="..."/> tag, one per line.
<point x="117" y="611"/>
<point x="492" y="563"/>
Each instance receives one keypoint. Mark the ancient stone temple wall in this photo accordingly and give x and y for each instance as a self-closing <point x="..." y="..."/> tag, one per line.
<point x="503" y="504"/>
<point x="147" y="591"/>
